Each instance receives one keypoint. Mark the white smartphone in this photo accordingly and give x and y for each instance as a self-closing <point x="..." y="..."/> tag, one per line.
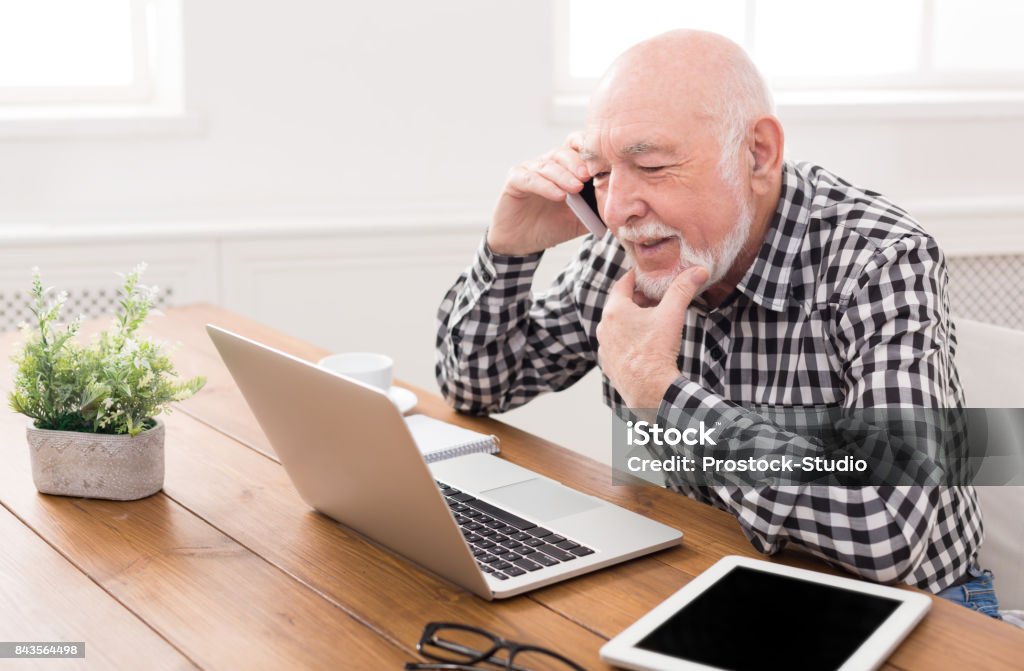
<point x="584" y="206"/>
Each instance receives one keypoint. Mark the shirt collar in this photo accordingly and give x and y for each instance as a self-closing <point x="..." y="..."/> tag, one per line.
<point x="772" y="276"/>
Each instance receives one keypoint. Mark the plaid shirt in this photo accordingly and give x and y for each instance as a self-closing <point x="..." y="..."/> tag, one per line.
<point x="845" y="306"/>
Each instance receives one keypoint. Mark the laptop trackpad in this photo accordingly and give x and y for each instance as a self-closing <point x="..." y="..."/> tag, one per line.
<point x="541" y="499"/>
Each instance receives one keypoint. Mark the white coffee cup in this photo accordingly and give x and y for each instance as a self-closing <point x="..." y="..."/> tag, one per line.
<point x="367" y="367"/>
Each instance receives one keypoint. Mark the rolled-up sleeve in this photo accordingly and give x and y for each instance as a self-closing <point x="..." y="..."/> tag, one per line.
<point x="499" y="345"/>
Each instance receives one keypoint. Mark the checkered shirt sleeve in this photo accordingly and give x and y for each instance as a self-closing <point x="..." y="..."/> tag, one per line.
<point x="498" y="346"/>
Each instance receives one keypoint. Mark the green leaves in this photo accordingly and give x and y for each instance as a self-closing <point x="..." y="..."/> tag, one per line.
<point x="116" y="385"/>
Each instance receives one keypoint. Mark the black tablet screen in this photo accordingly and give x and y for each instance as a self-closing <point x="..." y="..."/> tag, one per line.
<point x="752" y="619"/>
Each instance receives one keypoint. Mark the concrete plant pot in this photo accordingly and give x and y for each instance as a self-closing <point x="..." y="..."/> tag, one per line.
<point x="96" y="465"/>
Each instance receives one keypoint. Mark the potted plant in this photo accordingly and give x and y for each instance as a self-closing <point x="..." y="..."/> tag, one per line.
<point x="94" y="430"/>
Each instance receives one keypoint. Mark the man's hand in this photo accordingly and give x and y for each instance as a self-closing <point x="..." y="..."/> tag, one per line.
<point x="532" y="215"/>
<point x="638" y="346"/>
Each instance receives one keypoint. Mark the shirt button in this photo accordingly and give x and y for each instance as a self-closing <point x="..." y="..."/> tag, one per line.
<point x="716" y="353"/>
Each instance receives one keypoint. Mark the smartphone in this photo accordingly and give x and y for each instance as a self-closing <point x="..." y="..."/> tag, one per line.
<point x="584" y="206"/>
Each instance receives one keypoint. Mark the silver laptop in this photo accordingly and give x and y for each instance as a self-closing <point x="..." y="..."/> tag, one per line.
<point x="491" y="526"/>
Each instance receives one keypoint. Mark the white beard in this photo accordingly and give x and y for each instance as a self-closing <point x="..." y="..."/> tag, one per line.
<point x="717" y="263"/>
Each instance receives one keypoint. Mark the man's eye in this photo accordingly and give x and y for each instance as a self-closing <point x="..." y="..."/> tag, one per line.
<point x="651" y="168"/>
<point x="600" y="176"/>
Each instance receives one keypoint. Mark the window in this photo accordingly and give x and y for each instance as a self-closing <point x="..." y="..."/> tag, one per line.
<point x="86" y="58"/>
<point x="814" y="45"/>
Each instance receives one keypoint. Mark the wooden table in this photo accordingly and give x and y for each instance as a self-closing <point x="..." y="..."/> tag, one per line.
<point x="228" y="569"/>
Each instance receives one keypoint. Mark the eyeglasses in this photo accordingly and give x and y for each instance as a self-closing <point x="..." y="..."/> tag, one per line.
<point x="460" y="647"/>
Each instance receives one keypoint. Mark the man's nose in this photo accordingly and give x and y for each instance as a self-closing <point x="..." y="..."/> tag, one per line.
<point x="623" y="201"/>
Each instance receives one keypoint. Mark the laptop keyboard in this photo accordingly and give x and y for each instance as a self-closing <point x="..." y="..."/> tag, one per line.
<point x="506" y="545"/>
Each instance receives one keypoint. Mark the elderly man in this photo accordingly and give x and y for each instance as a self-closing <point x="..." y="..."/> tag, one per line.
<point x="731" y="279"/>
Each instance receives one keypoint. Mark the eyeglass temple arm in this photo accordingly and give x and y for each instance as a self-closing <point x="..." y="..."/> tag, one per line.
<point x="470" y="652"/>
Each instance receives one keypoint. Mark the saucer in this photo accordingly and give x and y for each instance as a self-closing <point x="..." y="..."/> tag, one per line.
<point x="404" y="399"/>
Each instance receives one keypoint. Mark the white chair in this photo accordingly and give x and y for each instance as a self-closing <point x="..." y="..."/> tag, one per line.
<point x="990" y="360"/>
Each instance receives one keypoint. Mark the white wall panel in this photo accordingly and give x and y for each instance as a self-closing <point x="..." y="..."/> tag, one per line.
<point x="187" y="272"/>
<point x="352" y="291"/>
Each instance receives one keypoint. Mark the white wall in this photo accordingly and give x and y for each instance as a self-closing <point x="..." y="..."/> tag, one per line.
<point x="329" y="107"/>
<point x="322" y="118"/>
<point x="316" y="107"/>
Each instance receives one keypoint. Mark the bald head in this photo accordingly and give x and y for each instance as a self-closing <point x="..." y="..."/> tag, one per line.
<point x="694" y="75"/>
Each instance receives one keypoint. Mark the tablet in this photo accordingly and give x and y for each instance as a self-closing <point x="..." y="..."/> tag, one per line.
<point x="746" y="613"/>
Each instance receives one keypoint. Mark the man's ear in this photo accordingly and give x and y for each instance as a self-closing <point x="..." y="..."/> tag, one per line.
<point x="766" y="147"/>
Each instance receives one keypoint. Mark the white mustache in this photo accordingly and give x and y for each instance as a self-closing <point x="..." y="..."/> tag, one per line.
<point x="650" y="230"/>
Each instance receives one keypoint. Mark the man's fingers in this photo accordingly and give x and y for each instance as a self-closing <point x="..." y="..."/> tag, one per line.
<point x="553" y="175"/>
<point x="624" y="285"/>
<point x="570" y="158"/>
<point x="620" y="294"/>
<point x="682" y="290"/>
<point x="524" y="181"/>
<point x="560" y="175"/>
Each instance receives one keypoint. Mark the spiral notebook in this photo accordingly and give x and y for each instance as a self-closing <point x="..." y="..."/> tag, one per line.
<point x="439" y="440"/>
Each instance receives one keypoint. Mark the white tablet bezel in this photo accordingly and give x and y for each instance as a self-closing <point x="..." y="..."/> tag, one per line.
<point x="622" y="651"/>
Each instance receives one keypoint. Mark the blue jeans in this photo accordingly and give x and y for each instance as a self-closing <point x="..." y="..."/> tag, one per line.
<point x="978" y="594"/>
